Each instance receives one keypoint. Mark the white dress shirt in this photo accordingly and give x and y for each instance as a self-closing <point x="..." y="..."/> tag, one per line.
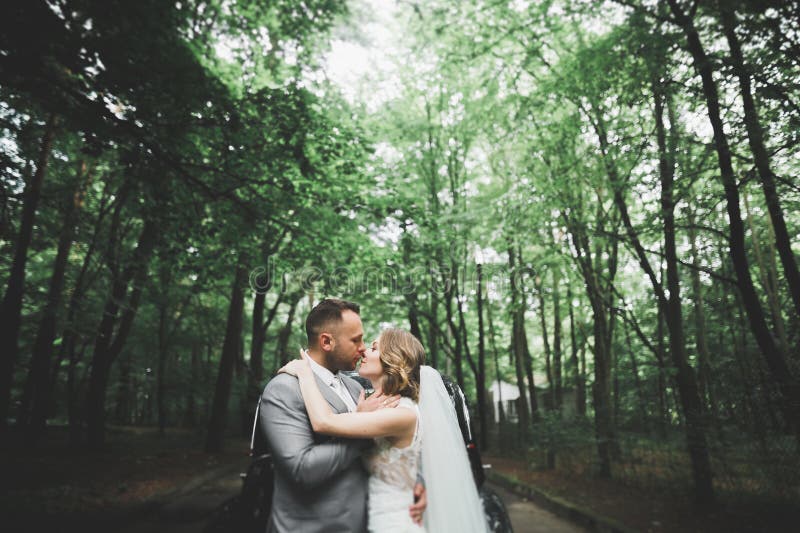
<point x="334" y="381"/>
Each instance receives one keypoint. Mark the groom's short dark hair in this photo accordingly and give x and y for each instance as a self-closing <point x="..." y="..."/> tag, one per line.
<point x="328" y="311"/>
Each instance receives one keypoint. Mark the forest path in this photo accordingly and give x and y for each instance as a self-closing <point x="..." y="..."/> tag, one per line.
<point x="528" y="517"/>
<point x="189" y="508"/>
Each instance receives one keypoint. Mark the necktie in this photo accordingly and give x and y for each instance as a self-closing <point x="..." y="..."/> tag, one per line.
<point x="338" y="386"/>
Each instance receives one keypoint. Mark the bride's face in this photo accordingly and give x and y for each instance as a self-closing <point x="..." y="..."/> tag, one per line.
<point x="371" y="367"/>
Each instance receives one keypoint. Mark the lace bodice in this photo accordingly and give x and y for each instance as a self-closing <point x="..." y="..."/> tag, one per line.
<point x="397" y="467"/>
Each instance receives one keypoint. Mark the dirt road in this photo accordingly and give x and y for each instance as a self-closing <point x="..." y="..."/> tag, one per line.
<point x="527" y="517"/>
<point x="188" y="510"/>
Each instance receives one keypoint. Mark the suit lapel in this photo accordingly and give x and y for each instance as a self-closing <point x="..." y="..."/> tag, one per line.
<point x="331" y="396"/>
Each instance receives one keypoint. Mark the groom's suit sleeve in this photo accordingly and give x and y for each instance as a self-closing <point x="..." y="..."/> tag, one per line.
<point x="291" y="440"/>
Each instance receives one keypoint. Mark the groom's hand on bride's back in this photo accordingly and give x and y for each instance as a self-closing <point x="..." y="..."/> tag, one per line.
<point x="417" y="509"/>
<point x="375" y="402"/>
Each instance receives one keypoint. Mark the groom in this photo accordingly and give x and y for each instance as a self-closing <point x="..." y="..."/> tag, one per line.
<point x="320" y="483"/>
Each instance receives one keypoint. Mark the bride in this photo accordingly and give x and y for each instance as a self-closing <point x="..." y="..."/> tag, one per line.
<point x="423" y="428"/>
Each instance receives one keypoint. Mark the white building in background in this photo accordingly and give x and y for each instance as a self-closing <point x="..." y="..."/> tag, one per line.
<point x="500" y="391"/>
<point x="508" y="394"/>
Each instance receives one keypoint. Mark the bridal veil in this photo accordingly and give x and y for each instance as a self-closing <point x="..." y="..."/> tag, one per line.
<point x="453" y="501"/>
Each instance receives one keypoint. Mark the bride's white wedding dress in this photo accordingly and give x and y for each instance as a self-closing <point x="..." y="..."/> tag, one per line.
<point x="392" y="476"/>
<point x="438" y="451"/>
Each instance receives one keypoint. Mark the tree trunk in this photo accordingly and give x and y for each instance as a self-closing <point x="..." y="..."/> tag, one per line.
<point x="75" y="392"/>
<point x="163" y="355"/>
<point x="661" y="382"/>
<point x="772" y="269"/>
<point x="701" y="342"/>
<point x="761" y="157"/>
<point x="581" y="399"/>
<point x="578" y="369"/>
<point x="601" y="393"/>
<point x="496" y="356"/>
<point x="616" y="393"/>
<point x="282" y="355"/>
<point x="106" y="345"/>
<point x="123" y="410"/>
<point x="255" y="376"/>
<point x="768" y="283"/>
<point x="41" y="389"/>
<point x="433" y="328"/>
<point x="69" y="333"/>
<point x="409" y="288"/>
<point x="11" y="307"/>
<point x="260" y="329"/>
<point x="528" y="362"/>
<point x="480" y="378"/>
<point x="605" y="434"/>
<point x="190" y="419"/>
<point x="462" y="328"/>
<point x="557" y="364"/>
<point x="525" y="351"/>
<point x="551" y="389"/>
<point x="230" y="350"/>
<point x="774" y="357"/>
<point x="413" y="317"/>
<point x="637" y="382"/>
<point x="517" y="341"/>
<point x="454" y="331"/>
<point x="687" y="384"/>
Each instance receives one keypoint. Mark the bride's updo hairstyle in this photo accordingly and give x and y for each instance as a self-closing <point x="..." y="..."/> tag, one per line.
<point x="401" y="356"/>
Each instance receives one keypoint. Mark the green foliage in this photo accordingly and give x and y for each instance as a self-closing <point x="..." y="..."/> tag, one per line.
<point x="509" y="127"/>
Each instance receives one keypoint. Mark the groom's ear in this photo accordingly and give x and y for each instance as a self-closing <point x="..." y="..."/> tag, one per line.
<point x="326" y="342"/>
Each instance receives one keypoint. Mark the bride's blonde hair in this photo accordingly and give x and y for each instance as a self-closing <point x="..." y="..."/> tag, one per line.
<point x="401" y="356"/>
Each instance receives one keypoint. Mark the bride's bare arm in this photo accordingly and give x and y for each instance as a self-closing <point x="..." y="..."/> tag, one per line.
<point x="381" y="423"/>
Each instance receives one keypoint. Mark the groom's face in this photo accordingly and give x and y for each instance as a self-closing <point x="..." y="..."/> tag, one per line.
<point x="348" y="345"/>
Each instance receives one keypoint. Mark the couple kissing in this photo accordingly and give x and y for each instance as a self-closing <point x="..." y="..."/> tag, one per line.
<point x="391" y="463"/>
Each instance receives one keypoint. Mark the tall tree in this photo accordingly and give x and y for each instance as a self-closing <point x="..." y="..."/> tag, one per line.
<point x="40" y="374"/>
<point x="519" y="344"/>
<point x="230" y="352"/>
<point x="761" y="157"/>
<point x="480" y="378"/>
<point x="557" y="363"/>
<point x="11" y="307"/>
<point x="115" y="326"/>
<point x="773" y="355"/>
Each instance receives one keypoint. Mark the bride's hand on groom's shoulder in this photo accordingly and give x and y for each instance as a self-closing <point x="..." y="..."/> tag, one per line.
<point x="375" y="402"/>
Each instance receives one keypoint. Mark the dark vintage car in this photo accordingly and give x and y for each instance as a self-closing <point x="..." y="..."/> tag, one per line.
<point x="248" y="512"/>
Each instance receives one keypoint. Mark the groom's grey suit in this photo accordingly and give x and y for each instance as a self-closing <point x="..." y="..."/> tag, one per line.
<point x="320" y="483"/>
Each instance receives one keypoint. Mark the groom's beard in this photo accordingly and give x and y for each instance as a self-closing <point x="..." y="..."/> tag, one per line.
<point x="344" y="362"/>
